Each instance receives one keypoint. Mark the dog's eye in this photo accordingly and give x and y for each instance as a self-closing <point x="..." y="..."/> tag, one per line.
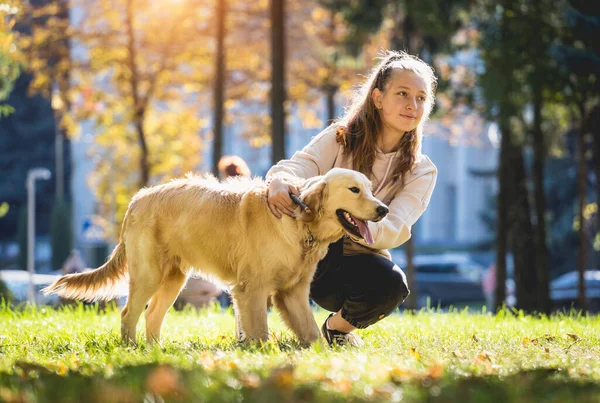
<point x="354" y="189"/>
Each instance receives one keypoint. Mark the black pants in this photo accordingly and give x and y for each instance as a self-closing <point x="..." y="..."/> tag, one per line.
<point x="366" y="288"/>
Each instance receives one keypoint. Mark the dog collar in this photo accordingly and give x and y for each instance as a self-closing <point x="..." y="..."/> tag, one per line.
<point x="309" y="240"/>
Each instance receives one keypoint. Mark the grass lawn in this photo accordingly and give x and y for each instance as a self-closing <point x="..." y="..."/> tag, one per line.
<point x="74" y="355"/>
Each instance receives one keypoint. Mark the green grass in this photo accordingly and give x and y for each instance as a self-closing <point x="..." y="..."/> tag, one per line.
<point x="74" y="355"/>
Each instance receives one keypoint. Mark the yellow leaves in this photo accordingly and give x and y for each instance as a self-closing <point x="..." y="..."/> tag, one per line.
<point x="45" y="10"/>
<point x="319" y="14"/>
<point x="260" y="141"/>
<point x="309" y="118"/>
<point x="4" y="207"/>
<point x="589" y="210"/>
<point x="323" y="72"/>
<point x="298" y="90"/>
<point x="230" y="103"/>
<point x="415" y="353"/>
<point x="62" y="369"/>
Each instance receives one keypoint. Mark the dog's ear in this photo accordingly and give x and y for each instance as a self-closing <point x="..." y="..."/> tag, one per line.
<point x="313" y="194"/>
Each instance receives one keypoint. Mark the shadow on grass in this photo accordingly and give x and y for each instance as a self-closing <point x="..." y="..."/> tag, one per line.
<point x="540" y="385"/>
<point x="158" y="383"/>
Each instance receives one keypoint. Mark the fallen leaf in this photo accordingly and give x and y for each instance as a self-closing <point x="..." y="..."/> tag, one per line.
<point x="574" y="336"/>
<point x="207" y="360"/>
<point x="415" y="353"/>
<point x="164" y="380"/>
<point x="62" y="369"/>
<point x="283" y="376"/>
<point x="436" y="371"/>
<point x="474" y="337"/>
<point x="400" y="375"/>
<point x="457" y="354"/>
<point x="250" y="380"/>
<point x="482" y="357"/>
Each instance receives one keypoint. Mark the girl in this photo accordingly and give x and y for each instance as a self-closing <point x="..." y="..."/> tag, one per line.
<point x="380" y="135"/>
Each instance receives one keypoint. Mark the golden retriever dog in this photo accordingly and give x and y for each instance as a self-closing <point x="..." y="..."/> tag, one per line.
<point x="226" y="230"/>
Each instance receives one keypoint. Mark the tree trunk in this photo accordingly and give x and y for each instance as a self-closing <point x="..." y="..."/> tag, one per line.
<point x="61" y="79"/>
<point x="521" y="233"/>
<point x="331" y="87"/>
<point x="411" y="300"/>
<point x="404" y="42"/>
<point x="539" y="155"/>
<point x="219" y="88"/>
<point x="581" y="190"/>
<point x="502" y="214"/>
<point x="278" y="80"/>
<point x="138" y="107"/>
<point x="594" y="129"/>
<point x="331" y="91"/>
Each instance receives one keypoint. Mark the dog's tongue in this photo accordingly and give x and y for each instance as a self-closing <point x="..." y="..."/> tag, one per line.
<point x="364" y="230"/>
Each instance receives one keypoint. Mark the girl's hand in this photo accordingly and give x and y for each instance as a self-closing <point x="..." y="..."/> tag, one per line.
<point x="278" y="197"/>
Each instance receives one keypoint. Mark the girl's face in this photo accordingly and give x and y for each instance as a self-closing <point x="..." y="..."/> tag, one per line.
<point x="402" y="103"/>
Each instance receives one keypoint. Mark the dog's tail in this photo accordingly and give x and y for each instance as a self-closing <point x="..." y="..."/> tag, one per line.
<point x="99" y="284"/>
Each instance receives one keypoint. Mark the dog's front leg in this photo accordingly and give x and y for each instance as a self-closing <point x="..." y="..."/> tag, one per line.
<point x="250" y="305"/>
<point x="296" y="313"/>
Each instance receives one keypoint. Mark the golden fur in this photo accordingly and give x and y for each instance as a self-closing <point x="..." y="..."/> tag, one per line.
<point x="225" y="230"/>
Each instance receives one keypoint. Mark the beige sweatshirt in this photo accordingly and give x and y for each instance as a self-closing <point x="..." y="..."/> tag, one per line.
<point x="406" y="205"/>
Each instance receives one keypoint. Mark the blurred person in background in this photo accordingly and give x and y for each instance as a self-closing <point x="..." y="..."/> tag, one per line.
<point x="380" y="136"/>
<point x="488" y="285"/>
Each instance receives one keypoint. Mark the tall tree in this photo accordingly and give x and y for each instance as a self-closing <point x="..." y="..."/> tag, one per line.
<point x="579" y="55"/>
<point x="130" y="77"/>
<point x="499" y="26"/>
<point x="25" y="120"/>
<point x="219" y="86"/>
<point x="540" y="36"/>
<point x="320" y="65"/>
<point x="278" y="96"/>
<point x="10" y="57"/>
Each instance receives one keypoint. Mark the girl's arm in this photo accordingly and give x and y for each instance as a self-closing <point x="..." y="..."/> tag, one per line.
<point x="316" y="158"/>
<point x="406" y="207"/>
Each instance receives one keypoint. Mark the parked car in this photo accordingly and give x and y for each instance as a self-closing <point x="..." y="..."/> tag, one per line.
<point x="17" y="282"/>
<point x="445" y="279"/>
<point x="564" y="290"/>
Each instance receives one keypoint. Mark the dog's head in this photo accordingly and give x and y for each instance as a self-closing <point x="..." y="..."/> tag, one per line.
<point x="345" y="196"/>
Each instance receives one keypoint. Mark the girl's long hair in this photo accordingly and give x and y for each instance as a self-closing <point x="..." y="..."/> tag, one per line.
<point x="362" y="121"/>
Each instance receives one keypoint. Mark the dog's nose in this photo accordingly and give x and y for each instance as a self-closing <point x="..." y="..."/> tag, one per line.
<point x="382" y="211"/>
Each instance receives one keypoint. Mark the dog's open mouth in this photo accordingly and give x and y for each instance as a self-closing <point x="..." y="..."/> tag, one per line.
<point x="355" y="226"/>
